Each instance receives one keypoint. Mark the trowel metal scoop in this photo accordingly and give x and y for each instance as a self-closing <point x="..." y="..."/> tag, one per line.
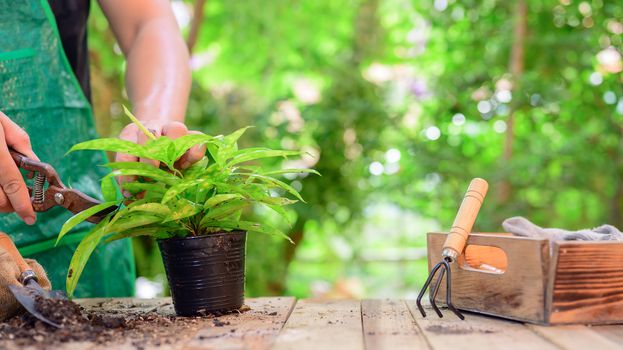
<point x="26" y="293"/>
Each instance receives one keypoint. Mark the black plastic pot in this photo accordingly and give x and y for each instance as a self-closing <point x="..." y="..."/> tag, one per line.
<point x="206" y="273"/>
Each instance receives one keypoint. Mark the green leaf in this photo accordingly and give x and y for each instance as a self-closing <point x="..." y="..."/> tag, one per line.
<point x="247" y="226"/>
<point x="231" y="139"/>
<point x="197" y="170"/>
<point x="184" y="143"/>
<point x="81" y="255"/>
<point x="278" y="184"/>
<point x="281" y="211"/>
<point x="111" y="145"/>
<point x="220" y="198"/>
<point x="224" y="210"/>
<point x="109" y="189"/>
<point x="152" y="208"/>
<point x="154" y="231"/>
<point x="144" y="170"/>
<point x="138" y="123"/>
<point x="161" y="149"/>
<point x="249" y="154"/>
<point x="291" y="171"/>
<point x="136" y="187"/>
<point x="81" y="216"/>
<point x="132" y="221"/>
<point x="223" y="148"/>
<point x="215" y="152"/>
<point x="183" y="208"/>
<point x="281" y="201"/>
<point x="175" y="190"/>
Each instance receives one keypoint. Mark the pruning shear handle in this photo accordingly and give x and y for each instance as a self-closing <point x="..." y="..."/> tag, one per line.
<point x="56" y="194"/>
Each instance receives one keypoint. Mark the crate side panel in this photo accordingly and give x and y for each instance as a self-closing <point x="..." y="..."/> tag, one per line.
<point x="588" y="283"/>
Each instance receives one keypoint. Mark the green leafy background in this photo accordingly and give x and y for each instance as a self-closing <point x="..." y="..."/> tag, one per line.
<point x="401" y="103"/>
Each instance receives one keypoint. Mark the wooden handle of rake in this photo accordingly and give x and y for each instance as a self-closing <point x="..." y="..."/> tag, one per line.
<point x="465" y="218"/>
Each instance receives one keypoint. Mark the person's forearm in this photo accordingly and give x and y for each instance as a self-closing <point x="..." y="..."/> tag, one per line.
<point x="158" y="73"/>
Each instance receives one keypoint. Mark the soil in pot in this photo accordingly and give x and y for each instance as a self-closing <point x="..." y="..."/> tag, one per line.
<point x="205" y="273"/>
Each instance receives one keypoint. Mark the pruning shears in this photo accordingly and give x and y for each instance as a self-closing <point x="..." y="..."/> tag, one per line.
<point x="56" y="194"/>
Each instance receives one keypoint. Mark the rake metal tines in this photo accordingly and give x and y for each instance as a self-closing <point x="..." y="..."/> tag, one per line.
<point x="444" y="268"/>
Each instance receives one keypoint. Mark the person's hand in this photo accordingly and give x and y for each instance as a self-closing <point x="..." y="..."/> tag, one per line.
<point x="9" y="275"/>
<point x="14" y="195"/>
<point x="172" y="130"/>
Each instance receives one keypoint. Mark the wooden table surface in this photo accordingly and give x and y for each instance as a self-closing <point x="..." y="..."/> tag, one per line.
<point x="285" y="323"/>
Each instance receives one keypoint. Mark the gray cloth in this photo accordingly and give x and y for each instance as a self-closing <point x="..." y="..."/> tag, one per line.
<point x="520" y="226"/>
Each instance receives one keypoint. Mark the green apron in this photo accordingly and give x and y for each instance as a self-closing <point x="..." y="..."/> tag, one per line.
<point x="39" y="92"/>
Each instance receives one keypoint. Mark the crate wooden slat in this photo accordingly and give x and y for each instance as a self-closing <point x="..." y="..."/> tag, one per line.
<point x="588" y="283"/>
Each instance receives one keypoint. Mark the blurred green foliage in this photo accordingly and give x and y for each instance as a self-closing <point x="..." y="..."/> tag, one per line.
<point x="400" y="103"/>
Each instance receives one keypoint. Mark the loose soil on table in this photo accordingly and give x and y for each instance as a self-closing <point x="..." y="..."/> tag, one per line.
<point x="141" y="328"/>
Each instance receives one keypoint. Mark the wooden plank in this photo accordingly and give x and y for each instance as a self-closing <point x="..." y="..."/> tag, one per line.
<point x="518" y="293"/>
<point x="613" y="333"/>
<point x="576" y="337"/>
<point x="255" y="329"/>
<point x="476" y="332"/>
<point x="388" y="324"/>
<point x="317" y="324"/>
<point x="588" y="285"/>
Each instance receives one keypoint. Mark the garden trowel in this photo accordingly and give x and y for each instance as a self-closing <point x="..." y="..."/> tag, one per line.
<point x="27" y="293"/>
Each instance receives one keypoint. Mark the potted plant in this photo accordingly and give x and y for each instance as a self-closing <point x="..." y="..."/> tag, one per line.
<point x="195" y="214"/>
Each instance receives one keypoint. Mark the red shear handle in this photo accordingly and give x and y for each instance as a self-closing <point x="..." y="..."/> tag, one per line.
<point x="465" y="218"/>
<point x="7" y="244"/>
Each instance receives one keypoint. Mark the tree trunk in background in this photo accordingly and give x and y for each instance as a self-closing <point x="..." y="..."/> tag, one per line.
<point x="195" y="24"/>
<point x="516" y="68"/>
<point x="365" y="44"/>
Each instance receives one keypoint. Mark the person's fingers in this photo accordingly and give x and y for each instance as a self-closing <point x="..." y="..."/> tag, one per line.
<point x="9" y="271"/>
<point x="13" y="184"/>
<point x="156" y="130"/>
<point x="129" y="133"/>
<point x="174" y="130"/>
<point x="193" y="155"/>
<point x="16" y="137"/>
<point x="5" y="204"/>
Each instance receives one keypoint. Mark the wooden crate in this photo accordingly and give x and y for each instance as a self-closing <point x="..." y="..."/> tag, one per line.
<point x="571" y="282"/>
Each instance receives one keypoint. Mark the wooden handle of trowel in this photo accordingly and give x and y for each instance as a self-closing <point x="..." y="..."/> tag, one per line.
<point x="465" y="218"/>
<point x="7" y="244"/>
